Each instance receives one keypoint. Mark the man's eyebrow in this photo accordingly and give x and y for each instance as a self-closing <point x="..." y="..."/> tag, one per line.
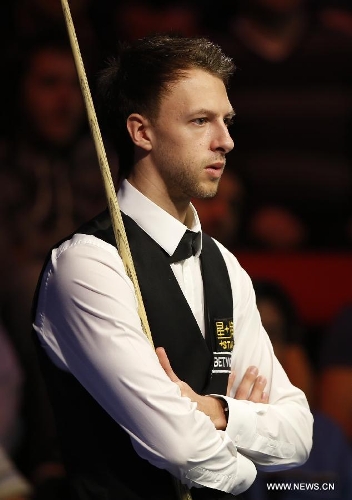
<point x="205" y="111"/>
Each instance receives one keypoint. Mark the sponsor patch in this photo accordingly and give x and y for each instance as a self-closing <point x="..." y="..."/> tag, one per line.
<point x="224" y="345"/>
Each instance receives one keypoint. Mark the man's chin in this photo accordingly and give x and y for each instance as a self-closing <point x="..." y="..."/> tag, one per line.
<point x="209" y="192"/>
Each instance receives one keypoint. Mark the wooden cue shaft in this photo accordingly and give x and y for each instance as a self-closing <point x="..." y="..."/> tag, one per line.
<point x="116" y="218"/>
<point x="115" y="213"/>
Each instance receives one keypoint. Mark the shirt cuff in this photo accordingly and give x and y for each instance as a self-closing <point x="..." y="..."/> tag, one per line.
<point x="242" y="429"/>
<point x="235" y="483"/>
<point x="241" y="423"/>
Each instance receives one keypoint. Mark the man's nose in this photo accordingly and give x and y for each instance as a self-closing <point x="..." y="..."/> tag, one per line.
<point x="222" y="140"/>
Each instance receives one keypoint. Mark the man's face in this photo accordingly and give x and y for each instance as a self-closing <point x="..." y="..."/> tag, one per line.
<point x="274" y="323"/>
<point x="190" y="136"/>
<point x="52" y="97"/>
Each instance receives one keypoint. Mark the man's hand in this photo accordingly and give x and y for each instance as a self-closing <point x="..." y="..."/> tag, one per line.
<point x="213" y="407"/>
<point x="251" y="388"/>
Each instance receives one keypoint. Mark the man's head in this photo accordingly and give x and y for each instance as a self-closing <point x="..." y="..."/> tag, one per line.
<point x="50" y="100"/>
<point x="142" y="74"/>
<point x="278" y="314"/>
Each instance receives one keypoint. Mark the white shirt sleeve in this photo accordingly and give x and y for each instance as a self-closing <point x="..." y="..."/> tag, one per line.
<point x="279" y="434"/>
<point x="88" y="323"/>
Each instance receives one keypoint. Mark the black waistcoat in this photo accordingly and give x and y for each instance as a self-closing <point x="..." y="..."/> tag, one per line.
<point x="100" y="461"/>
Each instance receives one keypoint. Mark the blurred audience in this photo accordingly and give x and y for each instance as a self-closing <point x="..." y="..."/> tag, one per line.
<point x="337" y="15"/>
<point x="230" y="219"/>
<point x="335" y="389"/>
<point x="330" y="461"/>
<point x="21" y="21"/>
<point x="26" y="19"/>
<point x="287" y="334"/>
<point x="30" y="463"/>
<point x="51" y="183"/>
<point x="138" y="18"/>
<point x="291" y="93"/>
<point x="32" y="441"/>
<point x="13" y="485"/>
<point x="293" y="102"/>
<point x="48" y="162"/>
<point x="277" y="228"/>
<point x="222" y="216"/>
<point x="11" y="394"/>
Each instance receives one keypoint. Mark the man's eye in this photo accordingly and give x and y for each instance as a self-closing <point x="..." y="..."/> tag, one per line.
<point x="200" y="121"/>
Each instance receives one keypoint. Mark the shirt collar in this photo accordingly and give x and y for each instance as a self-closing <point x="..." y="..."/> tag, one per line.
<point x="160" y="225"/>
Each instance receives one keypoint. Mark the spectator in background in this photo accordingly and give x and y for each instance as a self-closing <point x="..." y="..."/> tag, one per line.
<point x="11" y="388"/>
<point x="330" y="461"/>
<point x="26" y="19"/>
<point x="46" y="152"/>
<point x="228" y="218"/>
<point x="292" y="95"/>
<point x="337" y="15"/>
<point x="23" y="21"/>
<point x="279" y="317"/>
<point x="277" y="228"/>
<point x="222" y="216"/>
<point x="13" y="486"/>
<point x="30" y="465"/>
<point x="51" y="182"/>
<point x="136" y="19"/>
<point x="335" y="387"/>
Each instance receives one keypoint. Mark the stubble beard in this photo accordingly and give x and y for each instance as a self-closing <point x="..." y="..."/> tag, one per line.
<point x="184" y="181"/>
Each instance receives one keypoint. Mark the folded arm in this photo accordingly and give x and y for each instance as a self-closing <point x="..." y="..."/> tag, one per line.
<point x="88" y="323"/>
<point x="277" y="434"/>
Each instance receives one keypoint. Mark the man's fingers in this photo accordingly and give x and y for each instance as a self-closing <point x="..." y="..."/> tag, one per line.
<point x="165" y="363"/>
<point x="264" y="398"/>
<point x="258" y="390"/>
<point x="252" y="387"/>
<point x="244" y="389"/>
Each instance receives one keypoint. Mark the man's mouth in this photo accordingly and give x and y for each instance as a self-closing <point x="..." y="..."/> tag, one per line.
<point x="215" y="169"/>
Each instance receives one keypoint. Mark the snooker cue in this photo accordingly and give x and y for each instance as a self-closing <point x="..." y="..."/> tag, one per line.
<point x="115" y="213"/>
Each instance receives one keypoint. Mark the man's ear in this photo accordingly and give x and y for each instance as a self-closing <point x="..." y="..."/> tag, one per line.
<point x="138" y="128"/>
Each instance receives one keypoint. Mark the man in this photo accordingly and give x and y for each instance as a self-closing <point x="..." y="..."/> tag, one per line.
<point x="131" y="417"/>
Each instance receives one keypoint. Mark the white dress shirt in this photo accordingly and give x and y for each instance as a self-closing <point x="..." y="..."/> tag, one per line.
<point x="88" y="323"/>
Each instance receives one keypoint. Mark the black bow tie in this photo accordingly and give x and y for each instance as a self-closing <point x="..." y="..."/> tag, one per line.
<point x="188" y="246"/>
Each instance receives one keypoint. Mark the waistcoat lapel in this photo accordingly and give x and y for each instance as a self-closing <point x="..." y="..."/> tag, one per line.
<point x="204" y="365"/>
<point x="91" y="463"/>
<point x="218" y="315"/>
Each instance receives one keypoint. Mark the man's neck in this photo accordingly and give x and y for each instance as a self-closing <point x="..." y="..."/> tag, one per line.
<point x="158" y="194"/>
